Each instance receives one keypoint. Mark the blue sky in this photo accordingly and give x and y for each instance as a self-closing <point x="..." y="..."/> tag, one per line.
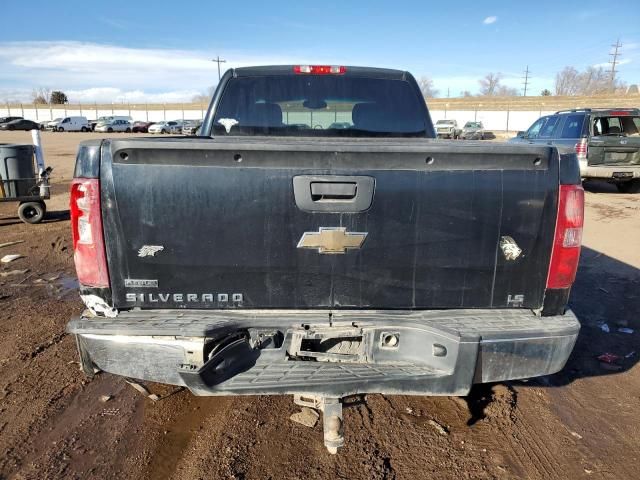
<point x="160" y="50"/>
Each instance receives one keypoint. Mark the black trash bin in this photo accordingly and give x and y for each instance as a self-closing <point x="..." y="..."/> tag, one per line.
<point x="17" y="170"/>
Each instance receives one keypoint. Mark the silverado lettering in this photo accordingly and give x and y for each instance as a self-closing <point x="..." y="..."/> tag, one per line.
<point x="183" y="297"/>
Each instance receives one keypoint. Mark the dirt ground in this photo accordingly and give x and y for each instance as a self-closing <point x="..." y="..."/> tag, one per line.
<point x="581" y="423"/>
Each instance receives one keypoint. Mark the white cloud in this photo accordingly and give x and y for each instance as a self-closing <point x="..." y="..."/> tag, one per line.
<point x="117" y="95"/>
<point x="100" y="72"/>
<point x="490" y="20"/>
<point x="106" y="95"/>
<point x="90" y="58"/>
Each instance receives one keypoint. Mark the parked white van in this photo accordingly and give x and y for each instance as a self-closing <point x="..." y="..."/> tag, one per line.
<point x="69" y="124"/>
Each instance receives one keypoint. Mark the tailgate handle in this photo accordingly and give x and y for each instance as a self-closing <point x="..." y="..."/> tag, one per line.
<point x="331" y="191"/>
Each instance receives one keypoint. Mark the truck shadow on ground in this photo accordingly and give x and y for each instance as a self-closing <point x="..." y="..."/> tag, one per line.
<point x="599" y="186"/>
<point x="483" y="395"/>
<point x="605" y="298"/>
<point x="489" y="135"/>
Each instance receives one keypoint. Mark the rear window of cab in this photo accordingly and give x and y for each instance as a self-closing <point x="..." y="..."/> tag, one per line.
<point x="320" y="105"/>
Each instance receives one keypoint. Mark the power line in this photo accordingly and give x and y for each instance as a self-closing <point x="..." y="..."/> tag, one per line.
<point x="218" y="61"/>
<point x="614" y="62"/>
<point x="526" y="80"/>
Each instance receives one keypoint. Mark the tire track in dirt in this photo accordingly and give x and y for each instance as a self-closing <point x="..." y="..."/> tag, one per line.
<point x="540" y="460"/>
<point x="43" y="347"/>
<point x="62" y="444"/>
<point x="607" y="448"/>
<point x="183" y="432"/>
<point x="503" y="415"/>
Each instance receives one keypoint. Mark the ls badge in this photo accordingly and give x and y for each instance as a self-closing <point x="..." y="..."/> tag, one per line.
<point x="332" y="240"/>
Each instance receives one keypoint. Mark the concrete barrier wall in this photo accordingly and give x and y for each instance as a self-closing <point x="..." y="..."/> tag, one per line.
<point x="502" y="120"/>
<point x="151" y="115"/>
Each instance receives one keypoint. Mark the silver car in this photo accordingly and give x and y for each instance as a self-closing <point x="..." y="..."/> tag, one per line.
<point x="472" y="131"/>
<point x="116" y="125"/>
<point x="173" y="126"/>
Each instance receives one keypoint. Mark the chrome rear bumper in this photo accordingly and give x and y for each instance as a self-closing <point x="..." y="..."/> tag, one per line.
<point x="610" y="172"/>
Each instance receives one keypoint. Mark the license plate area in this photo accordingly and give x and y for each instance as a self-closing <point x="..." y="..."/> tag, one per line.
<point x="329" y="345"/>
<point x="622" y="174"/>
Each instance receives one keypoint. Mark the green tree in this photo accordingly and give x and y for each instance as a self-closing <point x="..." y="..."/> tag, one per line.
<point x="546" y="92"/>
<point x="58" y="97"/>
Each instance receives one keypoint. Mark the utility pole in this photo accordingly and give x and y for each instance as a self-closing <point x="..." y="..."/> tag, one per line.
<point x="218" y="61"/>
<point x="526" y="80"/>
<point x="447" y="92"/>
<point x="614" y="62"/>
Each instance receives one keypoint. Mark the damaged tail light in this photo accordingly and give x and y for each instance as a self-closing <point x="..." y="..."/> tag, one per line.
<point x="568" y="237"/>
<point x="86" y="230"/>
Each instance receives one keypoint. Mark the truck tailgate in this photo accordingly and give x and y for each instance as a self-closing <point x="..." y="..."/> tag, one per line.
<point x="371" y="223"/>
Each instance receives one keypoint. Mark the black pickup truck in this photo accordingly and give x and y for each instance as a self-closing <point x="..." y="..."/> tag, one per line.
<point x="317" y="240"/>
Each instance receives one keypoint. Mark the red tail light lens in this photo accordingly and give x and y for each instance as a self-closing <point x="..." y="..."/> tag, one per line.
<point x="568" y="237"/>
<point x="86" y="230"/>
<point x="320" y="69"/>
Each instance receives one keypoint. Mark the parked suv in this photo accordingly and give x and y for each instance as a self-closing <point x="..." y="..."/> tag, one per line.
<point x="606" y="141"/>
<point x="447" y="129"/>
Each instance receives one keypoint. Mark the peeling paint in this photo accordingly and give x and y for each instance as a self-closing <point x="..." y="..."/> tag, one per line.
<point x="149" y="250"/>
<point x="510" y="248"/>
<point x="98" y="306"/>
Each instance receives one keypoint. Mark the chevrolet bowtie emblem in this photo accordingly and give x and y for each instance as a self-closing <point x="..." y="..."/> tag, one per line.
<point x="332" y="240"/>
